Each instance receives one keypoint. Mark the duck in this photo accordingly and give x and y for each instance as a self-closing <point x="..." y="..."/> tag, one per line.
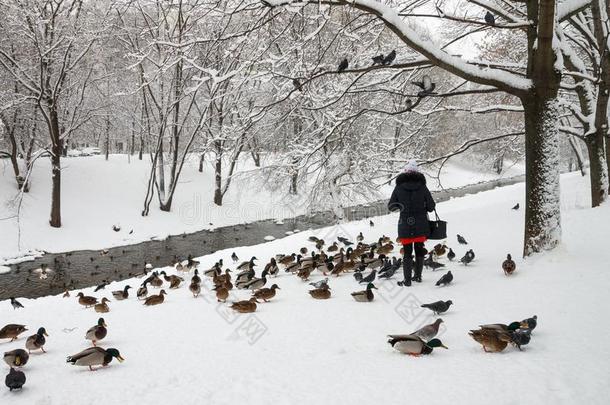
<point x="16" y="358"/>
<point x="234" y="257"/>
<point x="15" y="379"/>
<point x="121" y="295"/>
<point x="245" y="275"/>
<point x="12" y="331"/>
<point x="85" y="300"/>
<point x="508" y="265"/>
<point x="95" y="356"/>
<point x="191" y="263"/>
<point x="213" y="271"/>
<point x="272" y="267"/>
<point x="295" y="266"/>
<point x="501" y="327"/>
<point x="155" y="280"/>
<point x="266" y="294"/>
<point x="286" y="259"/>
<point x="360" y="237"/>
<point x="492" y="340"/>
<point x="155" y="299"/>
<point x="196" y="278"/>
<point x="195" y="288"/>
<point x="173" y="280"/>
<point x="245" y="306"/>
<point x="326" y="266"/>
<point x="414" y="345"/>
<point x="304" y="273"/>
<point x="222" y="293"/>
<point x="428" y="332"/>
<point x="248" y="264"/>
<point x="333" y="248"/>
<point x="303" y="250"/>
<point x="66" y="294"/>
<point x="320" y="293"/>
<point x="102" y="307"/>
<point x="97" y="332"/>
<point x="37" y="341"/>
<point x="257" y="283"/>
<point x="530" y="323"/>
<point x="365" y="295"/>
<point x="142" y="291"/>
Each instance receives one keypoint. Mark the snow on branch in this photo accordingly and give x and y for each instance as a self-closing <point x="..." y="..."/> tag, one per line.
<point x="568" y="8"/>
<point x="509" y="82"/>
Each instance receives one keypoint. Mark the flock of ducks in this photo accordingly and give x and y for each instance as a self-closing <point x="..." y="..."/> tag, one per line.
<point x="366" y="262"/>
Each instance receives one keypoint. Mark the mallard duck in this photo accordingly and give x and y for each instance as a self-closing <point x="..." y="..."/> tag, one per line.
<point x="501" y="327"/>
<point x="12" y="331"/>
<point x="121" y="294"/>
<point x="214" y="271"/>
<point x="266" y="294"/>
<point x="195" y="288"/>
<point x="320" y="293"/>
<point x="508" y="265"/>
<point x="155" y="280"/>
<point x="97" y="332"/>
<point x="245" y="306"/>
<point x="295" y="266"/>
<point x="245" y="275"/>
<point x="365" y="295"/>
<point x="304" y="273"/>
<point x="303" y="250"/>
<point x="360" y="237"/>
<point x="222" y="293"/>
<point x="16" y="358"/>
<point x="326" y="267"/>
<point x="196" y="278"/>
<point x="94" y="356"/>
<point x="286" y="259"/>
<point x="173" y="280"/>
<point x="247" y="265"/>
<point x="414" y="345"/>
<point x="86" y="300"/>
<point x="256" y="283"/>
<point x="428" y="332"/>
<point x="102" y="307"/>
<point x="272" y="267"/>
<point x="492" y="340"/>
<point x="155" y="299"/>
<point x="333" y="248"/>
<point x="142" y="291"/>
<point x="37" y="341"/>
<point x="191" y="263"/>
<point x="234" y="257"/>
<point x="66" y="294"/>
<point x="15" y="379"/>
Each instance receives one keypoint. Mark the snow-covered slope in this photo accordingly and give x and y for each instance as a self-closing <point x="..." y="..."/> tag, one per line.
<point x="97" y="195"/>
<point x="299" y="350"/>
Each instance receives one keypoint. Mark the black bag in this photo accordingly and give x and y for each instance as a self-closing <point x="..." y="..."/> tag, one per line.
<point x="438" y="228"/>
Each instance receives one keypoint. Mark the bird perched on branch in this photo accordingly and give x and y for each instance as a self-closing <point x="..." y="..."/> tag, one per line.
<point x="378" y="60"/>
<point x="389" y="58"/>
<point x="490" y="19"/>
<point x="426" y="86"/>
<point x="343" y="65"/>
<point x="297" y="85"/>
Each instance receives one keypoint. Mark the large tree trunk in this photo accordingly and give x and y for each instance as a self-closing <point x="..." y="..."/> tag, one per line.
<point x="56" y="150"/>
<point x="543" y="213"/>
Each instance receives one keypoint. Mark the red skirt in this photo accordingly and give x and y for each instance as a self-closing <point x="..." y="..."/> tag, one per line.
<point x="417" y="239"/>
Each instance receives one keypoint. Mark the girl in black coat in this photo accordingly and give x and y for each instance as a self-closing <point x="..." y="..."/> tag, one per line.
<point x="413" y="199"/>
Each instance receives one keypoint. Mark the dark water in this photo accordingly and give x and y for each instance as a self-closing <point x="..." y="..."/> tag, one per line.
<point x="85" y="268"/>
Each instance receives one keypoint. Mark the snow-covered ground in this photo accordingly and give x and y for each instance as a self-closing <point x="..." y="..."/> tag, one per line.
<point x="97" y="194"/>
<point x="303" y="351"/>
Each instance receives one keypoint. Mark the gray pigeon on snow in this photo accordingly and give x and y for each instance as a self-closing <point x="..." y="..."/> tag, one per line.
<point x="446" y="279"/>
<point x="438" y="307"/>
<point x="429" y="331"/>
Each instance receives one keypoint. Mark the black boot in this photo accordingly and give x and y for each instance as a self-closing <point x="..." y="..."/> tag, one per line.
<point x="407" y="266"/>
<point x="419" y="266"/>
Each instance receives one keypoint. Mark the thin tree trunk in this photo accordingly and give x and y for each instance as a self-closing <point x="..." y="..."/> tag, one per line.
<point x="201" y="160"/>
<point x="56" y="151"/>
<point x="218" y="175"/>
<point x="107" y="136"/>
<point x="578" y="153"/>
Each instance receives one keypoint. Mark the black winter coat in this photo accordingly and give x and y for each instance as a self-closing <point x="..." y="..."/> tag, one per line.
<point x="413" y="199"/>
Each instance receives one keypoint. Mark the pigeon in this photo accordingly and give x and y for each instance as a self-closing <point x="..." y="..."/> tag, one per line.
<point x="435" y="265"/>
<point x="516" y="207"/>
<point x="369" y="278"/>
<point x="390" y="58"/>
<point x="378" y="60"/>
<point x="116" y="228"/>
<point x="14" y="379"/>
<point x="297" y="85"/>
<point x="461" y="240"/>
<point x="466" y="259"/>
<point x="471" y="254"/>
<point x="438" y="307"/>
<point x="371" y="223"/>
<point x="508" y="265"/>
<point x="451" y="255"/>
<point x="358" y="275"/>
<point x="343" y="65"/>
<point x="445" y="280"/>
<point x="16" y="304"/>
<point x="408" y="104"/>
<point x="388" y="273"/>
<point x="234" y="257"/>
<point x="490" y="19"/>
<point x="320" y="284"/>
<point x="530" y="323"/>
<point x="429" y="331"/>
<point x="426" y="86"/>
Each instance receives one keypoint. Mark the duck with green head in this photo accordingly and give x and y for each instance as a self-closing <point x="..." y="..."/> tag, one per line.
<point x="414" y="345"/>
<point x="94" y="356"/>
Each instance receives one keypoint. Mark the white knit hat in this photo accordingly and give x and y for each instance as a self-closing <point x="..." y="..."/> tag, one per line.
<point x="411" y="166"/>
